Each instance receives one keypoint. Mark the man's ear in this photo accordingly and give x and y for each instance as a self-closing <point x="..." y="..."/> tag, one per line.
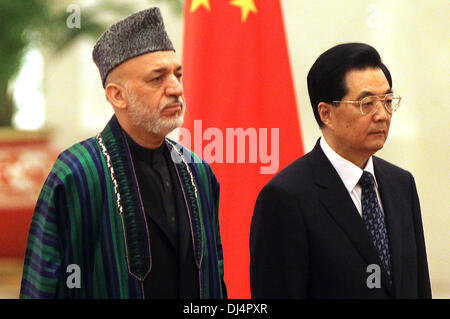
<point x="325" y="113"/>
<point x="116" y="95"/>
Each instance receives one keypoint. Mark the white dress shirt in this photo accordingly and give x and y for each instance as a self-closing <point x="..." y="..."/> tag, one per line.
<point x="350" y="174"/>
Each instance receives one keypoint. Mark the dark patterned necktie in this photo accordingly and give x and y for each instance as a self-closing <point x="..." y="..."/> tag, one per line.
<point x="374" y="221"/>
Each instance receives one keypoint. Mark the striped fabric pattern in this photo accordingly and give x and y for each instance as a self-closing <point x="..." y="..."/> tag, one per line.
<point x="77" y="221"/>
<point x="211" y="256"/>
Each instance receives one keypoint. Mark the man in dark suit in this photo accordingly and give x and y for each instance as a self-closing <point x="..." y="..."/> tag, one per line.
<point x="340" y="222"/>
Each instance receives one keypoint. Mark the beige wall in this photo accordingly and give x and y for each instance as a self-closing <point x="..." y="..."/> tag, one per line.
<point x="413" y="39"/>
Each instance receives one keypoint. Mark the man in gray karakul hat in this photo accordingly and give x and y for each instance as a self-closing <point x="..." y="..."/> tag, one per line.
<point x="129" y="213"/>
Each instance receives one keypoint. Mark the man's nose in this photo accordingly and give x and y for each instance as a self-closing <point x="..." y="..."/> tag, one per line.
<point x="381" y="111"/>
<point x="174" y="87"/>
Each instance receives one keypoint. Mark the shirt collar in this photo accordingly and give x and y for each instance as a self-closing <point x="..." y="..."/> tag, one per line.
<point x="347" y="171"/>
<point x="151" y="156"/>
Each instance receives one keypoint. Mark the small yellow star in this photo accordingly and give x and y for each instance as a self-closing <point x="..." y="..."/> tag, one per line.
<point x="247" y="6"/>
<point x="197" y="3"/>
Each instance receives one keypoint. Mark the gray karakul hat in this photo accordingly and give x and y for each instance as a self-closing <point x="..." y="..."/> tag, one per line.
<point x="137" y="34"/>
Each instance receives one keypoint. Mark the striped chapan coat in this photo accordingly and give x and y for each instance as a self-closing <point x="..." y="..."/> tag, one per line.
<point x="89" y="221"/>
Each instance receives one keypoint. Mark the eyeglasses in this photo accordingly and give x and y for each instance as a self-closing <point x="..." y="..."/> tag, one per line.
<point x="368" y="105"/>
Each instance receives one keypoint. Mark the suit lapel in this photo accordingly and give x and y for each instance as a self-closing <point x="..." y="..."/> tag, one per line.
<point x="334" y="196"/>
<point x="338" y="203"/>
<point x="393" y="222"/>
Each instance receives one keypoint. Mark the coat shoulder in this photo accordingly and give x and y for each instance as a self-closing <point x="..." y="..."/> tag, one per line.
<point x="388" y="169"/>
<point x="81" y="157"/>
<point x="297" y="173"/>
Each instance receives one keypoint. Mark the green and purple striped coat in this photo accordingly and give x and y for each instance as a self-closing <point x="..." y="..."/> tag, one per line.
<point x="89" y="213"/>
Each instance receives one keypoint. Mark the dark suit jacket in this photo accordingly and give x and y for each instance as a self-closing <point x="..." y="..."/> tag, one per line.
<point x="308" y="240"/>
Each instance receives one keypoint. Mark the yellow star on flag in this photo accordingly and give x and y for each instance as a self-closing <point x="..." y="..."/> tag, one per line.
<point x="197" y="3"/>
<point x="246" y="6"/>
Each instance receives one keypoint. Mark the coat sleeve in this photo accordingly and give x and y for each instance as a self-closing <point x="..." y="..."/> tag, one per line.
<point x="41" y="272"/>
<point x="424" y="288"/>
<point x="278" y="247"/>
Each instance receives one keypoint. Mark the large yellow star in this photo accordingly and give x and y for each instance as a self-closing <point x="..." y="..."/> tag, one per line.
<point x="247" y="6"/>
<point x="197" y="3"/>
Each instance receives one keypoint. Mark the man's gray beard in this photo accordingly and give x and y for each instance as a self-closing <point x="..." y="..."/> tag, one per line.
<point x="150" y="119"/>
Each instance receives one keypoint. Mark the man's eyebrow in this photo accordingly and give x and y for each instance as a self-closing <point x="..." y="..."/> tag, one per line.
<point x="159" y="70"/>
<point x="164" y="70"/>
<point x="363" y="94"/>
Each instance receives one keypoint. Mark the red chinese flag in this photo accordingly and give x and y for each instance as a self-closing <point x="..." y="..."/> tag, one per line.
<point x="241" y="112"/>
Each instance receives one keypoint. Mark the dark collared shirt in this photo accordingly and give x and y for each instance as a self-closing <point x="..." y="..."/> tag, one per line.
<point x="168" y="224"/>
